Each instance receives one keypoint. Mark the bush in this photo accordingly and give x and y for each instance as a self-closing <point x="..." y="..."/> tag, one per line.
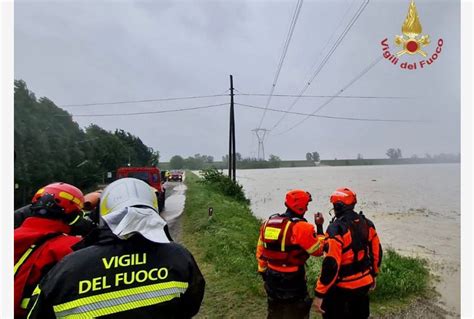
<point x="223" y="184"/>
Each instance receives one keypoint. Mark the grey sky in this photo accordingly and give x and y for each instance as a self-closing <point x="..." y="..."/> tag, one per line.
<point x="93" y="51"/>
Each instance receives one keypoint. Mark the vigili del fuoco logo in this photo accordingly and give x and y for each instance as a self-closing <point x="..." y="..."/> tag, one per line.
<point x="412" y="42"/>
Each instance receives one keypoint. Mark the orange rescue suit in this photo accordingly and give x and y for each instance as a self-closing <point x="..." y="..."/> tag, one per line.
<point x="353" y="254"/>
<point x="285" y="243"/>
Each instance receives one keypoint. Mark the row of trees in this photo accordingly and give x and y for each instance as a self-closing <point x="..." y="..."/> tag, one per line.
<point x="252" y="162"/>
<point x="50" y="146"/>
<point x="396" y="153"/>
<point x="195" y="162"/>
<point x="199" y="161"/>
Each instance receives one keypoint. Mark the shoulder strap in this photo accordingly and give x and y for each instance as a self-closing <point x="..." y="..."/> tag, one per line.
<point x="359" y="233"/>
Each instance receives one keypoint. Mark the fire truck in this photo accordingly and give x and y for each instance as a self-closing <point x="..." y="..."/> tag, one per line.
<point x="150" y="175"/>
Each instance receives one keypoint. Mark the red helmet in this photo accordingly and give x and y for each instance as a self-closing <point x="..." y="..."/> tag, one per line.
<point x="64" y="197"/>
<point x="344" y="195"/>
<point x="297" y="200"/>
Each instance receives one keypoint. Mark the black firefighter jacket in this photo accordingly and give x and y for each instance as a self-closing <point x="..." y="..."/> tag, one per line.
<point x="113" y="278"/>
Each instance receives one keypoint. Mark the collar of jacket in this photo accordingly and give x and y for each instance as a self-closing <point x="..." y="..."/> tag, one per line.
<point x="101" y="235"/>
<point x="348" y="215"/>
<point x="46" y="225"/>
<point x="290" y="214"/>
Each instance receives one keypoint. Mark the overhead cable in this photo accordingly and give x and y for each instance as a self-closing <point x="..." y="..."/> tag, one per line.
<point x="339" y="97"/>
<point x="330" y="117"/>
<point x="326" y="58"/>
<point x="283" y="55"/>
<point x="144" y="101"/>
<point x="145" y="113"/>
<point x="361" y="74"/>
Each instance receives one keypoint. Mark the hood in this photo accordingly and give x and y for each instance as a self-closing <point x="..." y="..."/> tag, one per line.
<point x="128" y="221"/>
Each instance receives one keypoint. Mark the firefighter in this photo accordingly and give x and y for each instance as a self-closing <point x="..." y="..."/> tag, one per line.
<point x="126" y="268"/>
<point x="42" y="240"/>
<point x="351" y="264"/>
<point x="285" y="243"/>
<point x="81" y="227"/>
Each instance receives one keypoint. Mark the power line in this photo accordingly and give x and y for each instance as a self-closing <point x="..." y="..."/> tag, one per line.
<point x="327" y="57"/>
<point x="331" y="117"/>
<point x="361" y="74"/>
<point x="332" y="35"/>
<point x="144" y="101"/>
<point x="286" y="45"/>
<point x="150" y="112"/>
<point x="325" y="96"/>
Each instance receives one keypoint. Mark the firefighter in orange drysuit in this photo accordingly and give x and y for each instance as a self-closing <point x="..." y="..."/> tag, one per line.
<point x="351" y="264"/>
<point x="285" y="243"/>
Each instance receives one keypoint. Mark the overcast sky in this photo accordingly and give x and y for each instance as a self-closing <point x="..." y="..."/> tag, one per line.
<point x="77" y="52"/>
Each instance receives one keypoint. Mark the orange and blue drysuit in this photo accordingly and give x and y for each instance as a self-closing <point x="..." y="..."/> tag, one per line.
<point x="352" y="261"/>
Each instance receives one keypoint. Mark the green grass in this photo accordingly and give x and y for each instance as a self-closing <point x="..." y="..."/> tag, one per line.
<point x="224" y="247"/>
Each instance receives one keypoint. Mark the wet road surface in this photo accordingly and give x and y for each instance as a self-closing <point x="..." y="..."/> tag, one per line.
<point x="174" y="205"/>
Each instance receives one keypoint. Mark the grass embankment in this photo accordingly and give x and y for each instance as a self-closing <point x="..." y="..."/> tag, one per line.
<point x="224" y="247"/>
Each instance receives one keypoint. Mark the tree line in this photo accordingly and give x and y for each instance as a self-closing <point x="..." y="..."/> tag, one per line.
<point x="49" y="146"/>
<point x="199" y="161"/>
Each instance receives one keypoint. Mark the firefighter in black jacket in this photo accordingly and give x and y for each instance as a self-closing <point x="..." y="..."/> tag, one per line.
<point x="127" y="268"/>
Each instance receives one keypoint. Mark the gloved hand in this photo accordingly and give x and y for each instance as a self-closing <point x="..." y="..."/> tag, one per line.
<point x="318" y="218"/>
<point x="374" y="285"/>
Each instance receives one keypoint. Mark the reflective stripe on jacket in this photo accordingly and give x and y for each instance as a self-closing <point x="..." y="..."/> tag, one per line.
<point x="353" y="254"/>
<point x="285" y="243"/>
<point x="39" y="243"/>
<point x="113" y="278"/>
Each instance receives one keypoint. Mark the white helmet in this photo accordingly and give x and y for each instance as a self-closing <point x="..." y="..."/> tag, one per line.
<point x="127" y="192"/>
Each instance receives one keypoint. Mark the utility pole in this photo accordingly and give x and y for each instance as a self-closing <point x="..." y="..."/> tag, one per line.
<point x="261" y="133"/>
<point x="232" y="156"/>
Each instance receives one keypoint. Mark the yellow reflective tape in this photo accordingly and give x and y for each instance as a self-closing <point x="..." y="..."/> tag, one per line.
<point x="66" y="195"/>
<point x="120" y="308"/>
<point x="313" y="248"/>
<point x="75" y="220"/>
<point x="37" y="291"/>
<point x="284" y="236"/>
<point x="24" y="303"/>
<point x="118" y="293"/>
<point x="23" y="258"/>
<point x="271" y="233"/>
<point x="40" y="191"/>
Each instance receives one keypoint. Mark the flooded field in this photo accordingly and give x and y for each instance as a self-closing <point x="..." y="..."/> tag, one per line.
<point x="416" y="208"/>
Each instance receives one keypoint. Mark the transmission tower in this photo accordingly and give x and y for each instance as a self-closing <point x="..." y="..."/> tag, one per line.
<point x="261" y="133"/>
